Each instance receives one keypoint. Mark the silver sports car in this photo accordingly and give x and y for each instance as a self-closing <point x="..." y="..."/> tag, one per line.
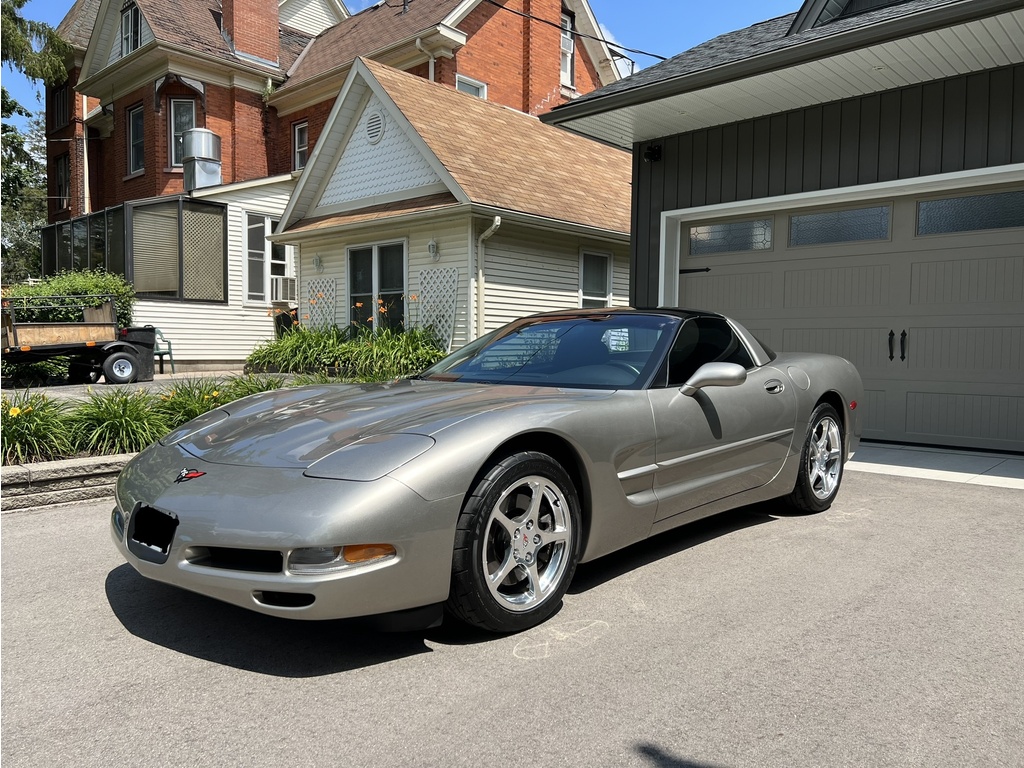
<point x="476" y="487"/>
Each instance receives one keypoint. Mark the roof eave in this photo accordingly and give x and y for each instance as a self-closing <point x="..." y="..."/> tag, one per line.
<point x="812" y="50"/>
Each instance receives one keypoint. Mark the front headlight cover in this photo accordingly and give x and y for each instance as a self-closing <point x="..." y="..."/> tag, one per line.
<point x="370" y="458"/>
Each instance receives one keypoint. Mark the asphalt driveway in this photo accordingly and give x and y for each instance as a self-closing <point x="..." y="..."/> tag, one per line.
<point x="884" y="632"/>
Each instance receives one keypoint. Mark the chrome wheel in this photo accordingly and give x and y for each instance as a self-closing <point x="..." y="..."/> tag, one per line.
<point x="516" y="544"/>
<point x="824" y="458"/>
<point x="821" y="462"/>
<point x="527" y="538"/>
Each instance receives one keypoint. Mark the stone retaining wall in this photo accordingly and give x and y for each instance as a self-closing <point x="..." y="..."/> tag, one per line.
<point x="26" y="486"/>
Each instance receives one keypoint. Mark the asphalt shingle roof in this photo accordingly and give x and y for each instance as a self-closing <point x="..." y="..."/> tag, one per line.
<point x="758" y="39"/>
<point x="506" y="159"/>
<point x="371" y="30"/>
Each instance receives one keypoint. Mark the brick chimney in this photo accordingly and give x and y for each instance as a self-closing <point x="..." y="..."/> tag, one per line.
<point x="252" y="28"/>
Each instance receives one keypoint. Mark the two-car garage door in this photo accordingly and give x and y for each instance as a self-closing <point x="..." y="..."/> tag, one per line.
<point x="924" y="294"/>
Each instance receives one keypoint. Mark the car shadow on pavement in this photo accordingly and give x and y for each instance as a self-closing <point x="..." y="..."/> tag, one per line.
<point x="597" y="572"/>
<point x="225" y="634"/>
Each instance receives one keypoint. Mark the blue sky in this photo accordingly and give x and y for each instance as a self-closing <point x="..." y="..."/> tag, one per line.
<point x="664" y="27"/>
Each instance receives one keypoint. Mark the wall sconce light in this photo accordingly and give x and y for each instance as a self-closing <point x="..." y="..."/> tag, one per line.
<point x="435" y="254"/>
<point x="653" y="153"/>
<point x="318" y="263"/>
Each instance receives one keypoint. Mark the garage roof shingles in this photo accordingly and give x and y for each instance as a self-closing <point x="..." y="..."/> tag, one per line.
<point x="509" y="160"/>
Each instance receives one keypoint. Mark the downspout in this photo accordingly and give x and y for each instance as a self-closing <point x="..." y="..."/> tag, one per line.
<point x="481" y="291"/>
<point x="86" y="194"/>
<point x="429" y="55"/>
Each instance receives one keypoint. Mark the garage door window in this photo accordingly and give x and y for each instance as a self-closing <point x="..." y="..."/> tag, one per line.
<point x="754" y="235"/>
<point x="840" y="226"/>
<point x="967" y="214"/>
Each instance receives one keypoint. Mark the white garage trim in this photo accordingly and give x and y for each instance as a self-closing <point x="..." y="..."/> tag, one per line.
<point x="668" y="288"/>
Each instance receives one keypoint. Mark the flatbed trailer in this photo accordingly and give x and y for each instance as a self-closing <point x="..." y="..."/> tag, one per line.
<point x="95" y="345"/>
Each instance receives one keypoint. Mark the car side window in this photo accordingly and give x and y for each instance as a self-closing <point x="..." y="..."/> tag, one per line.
<point x="704" y="340"/>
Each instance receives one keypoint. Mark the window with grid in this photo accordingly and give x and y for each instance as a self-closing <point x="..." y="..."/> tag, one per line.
<point x="131" y="29"/>
<point x="264" y="260"/>
<point x="300" y="145"/>
<point x="136" y="140"/>
<point x="183" y="118"/>
<point x="376" y="280"/>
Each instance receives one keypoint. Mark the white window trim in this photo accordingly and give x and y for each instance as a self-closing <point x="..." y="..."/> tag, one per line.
<point x="269" y="222"/>
<point x="131" y="139"/>
<point x="296" y="127"/>
<point x="482" y="87"/>
<point x="568" y="24"/>
<point x="609" y="276"/>
<point x="192" y="105"/>
<point x="376" y="245"/>
<point x="672" y="221"/>
<point x="133" y="34"/>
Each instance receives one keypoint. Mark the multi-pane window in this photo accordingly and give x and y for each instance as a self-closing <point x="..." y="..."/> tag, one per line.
<point x="300" y="145"/>
<point x="568" y="50"/>
<point x="376" y="279"/>
<point x="595" y="280"/>
<point x="131" y="29"/>
<point x="183" y="118"/>
<point x="471" y="86"/>
<point x="63" y="176"/>
<point x="59" y="114"/>
<point x="264" y="260"/>
<point x="136" y="141"/>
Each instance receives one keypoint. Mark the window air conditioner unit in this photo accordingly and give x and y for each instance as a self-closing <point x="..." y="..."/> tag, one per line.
<point x="282" y="289"/>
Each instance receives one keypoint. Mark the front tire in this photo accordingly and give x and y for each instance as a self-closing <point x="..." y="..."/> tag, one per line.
<point x="120" y="368"/>
<point x="516" y="546"/>
<point x="821" y="462"/>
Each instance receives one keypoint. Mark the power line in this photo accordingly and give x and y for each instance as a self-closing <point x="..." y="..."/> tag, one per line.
<point x="578" y="34"/>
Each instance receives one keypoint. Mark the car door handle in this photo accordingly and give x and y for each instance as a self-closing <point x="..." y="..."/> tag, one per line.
<point x="774" y="386"/>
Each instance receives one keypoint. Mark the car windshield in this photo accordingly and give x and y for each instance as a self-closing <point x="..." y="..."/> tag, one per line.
<point x="593" y="351"/>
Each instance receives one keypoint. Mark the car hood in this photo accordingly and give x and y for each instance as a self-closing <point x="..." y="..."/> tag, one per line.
<point x="293" y="428"/>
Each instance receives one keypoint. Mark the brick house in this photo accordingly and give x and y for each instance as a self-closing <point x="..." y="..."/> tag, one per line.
<point x="261" y="76"/>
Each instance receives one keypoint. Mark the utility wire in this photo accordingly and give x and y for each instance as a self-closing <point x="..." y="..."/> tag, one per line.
<point x="577" y="34"/>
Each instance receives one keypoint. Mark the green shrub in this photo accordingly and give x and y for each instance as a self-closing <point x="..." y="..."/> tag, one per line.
<point x="34" y="427"/>
<point x="389" y="354"/>
<point x="237" y="387"/>
<point x="190" y="398"/>
<point x="121" y="421"/>
<point x="74" y="284"/>
<point x="359" y="354"/>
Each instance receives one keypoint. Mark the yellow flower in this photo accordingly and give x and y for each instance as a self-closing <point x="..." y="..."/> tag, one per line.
<point x="206" y="397"/>
<point x="216" y="392"/>
<point x="15" y="411"/>
<point x="28" y="410"/>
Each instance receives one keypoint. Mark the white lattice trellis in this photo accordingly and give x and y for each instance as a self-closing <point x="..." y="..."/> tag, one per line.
<point x="439" y="291"/>
<point x="320" y="303"/>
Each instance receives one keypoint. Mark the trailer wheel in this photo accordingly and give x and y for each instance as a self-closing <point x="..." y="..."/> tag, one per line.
<point x="120" y="368"/>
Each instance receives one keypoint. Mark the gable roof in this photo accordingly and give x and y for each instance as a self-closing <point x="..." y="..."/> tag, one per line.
<point x="781" y="45"/>
<point x="490" y="157"/>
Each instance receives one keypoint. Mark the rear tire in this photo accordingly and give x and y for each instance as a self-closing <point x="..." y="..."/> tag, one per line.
<point x="821" y="462"/>
<point x="120" y="368"/>
<point x="516" y="546"/>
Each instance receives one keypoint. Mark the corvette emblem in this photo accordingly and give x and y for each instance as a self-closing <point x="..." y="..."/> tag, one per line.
<point x="187" y="474"/>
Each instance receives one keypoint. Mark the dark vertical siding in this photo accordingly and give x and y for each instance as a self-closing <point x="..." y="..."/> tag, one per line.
<point x="972" y="121"/>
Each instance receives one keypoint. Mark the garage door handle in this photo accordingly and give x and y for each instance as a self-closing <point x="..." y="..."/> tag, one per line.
<point x="903" y="345"/>
<point x="892" y="337"/>
<point x="773" y="386"/>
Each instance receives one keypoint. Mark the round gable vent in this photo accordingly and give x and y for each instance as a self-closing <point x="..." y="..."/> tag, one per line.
<point x="374" y="127"/>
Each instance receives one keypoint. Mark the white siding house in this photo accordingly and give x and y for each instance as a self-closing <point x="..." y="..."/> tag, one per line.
<point x="404" y="220"/>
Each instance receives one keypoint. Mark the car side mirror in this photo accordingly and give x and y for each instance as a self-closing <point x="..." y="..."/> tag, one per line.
<point x="714" y="375"/>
